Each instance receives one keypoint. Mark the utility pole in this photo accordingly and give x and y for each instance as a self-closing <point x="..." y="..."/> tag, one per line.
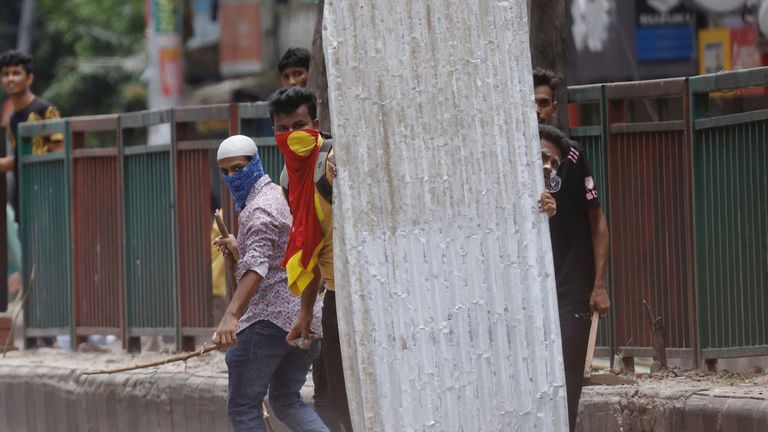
<point x="549" y="49"/>
<point x="318" y="79"/>
<point x="447" y="309"/>
<point x="24" y="42"/>
<point x="164" y="75"/>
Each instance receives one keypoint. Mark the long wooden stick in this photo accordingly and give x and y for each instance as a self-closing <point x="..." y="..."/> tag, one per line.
<point x="21" y="307"/>
<point x="172" y="359"/>
<point x="591" y="346"/>
<point x="228" y="258"/>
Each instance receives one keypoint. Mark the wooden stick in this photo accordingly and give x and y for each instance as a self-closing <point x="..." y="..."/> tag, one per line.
<point x="591" y="346"/>
<point x="228" y="258"/>
<point x="21" y="307"/>
<point x="219" y="215"/>
<point x="173" y="359"/>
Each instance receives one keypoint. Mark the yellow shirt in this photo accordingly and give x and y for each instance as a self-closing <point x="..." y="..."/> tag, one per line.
<point x="325" y="216"/>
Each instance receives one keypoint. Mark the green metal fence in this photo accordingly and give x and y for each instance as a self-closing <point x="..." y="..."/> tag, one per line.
<point x="150" y="247"/>
<point x="45" y="230"/>
<point x="730" y="156"/>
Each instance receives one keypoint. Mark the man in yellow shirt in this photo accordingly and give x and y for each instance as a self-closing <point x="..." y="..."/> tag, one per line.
<point x="309" y="256"/>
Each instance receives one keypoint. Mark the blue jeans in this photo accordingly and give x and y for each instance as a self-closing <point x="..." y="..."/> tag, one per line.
<point x="261" y="361"/>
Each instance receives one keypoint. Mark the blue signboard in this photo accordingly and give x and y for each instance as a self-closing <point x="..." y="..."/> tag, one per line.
<point x="665" y="31"/>
<point x="665" y="43"/>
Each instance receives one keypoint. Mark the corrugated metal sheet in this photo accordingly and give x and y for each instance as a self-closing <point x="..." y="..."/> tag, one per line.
<point x="447" y="303"/>
<point x="271" y="159"/>
<point x="732" y="241"/>
<point x="45" y="231"/>
<point x="195" y="220"/>
<point x="651" y="253"/>
<point x="97" y="240"/>
<point x="150" y="247"/>
<point x="97" y="223"/>
<point x="731" y="207"/>
<point x="45" y="216"/>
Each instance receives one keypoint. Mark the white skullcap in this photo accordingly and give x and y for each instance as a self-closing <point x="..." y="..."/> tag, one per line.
<point x="236" y="145"/>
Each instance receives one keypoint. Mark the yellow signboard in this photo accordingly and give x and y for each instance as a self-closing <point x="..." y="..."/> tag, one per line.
<point x="714" y="50"/>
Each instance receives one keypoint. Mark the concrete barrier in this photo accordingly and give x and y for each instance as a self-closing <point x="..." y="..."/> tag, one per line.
<point x="56" y="398"/>
<point x="668" y="407"/>
<point x="35" y="398"/>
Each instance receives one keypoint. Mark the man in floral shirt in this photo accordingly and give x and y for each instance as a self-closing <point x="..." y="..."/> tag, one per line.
<point x="258" y="358"/>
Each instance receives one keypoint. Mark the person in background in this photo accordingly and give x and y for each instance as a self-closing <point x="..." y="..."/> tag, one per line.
<point x="17" y="73"/>
<point x="294" y="67"/>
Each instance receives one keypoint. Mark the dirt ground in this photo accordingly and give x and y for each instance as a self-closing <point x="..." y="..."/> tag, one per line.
<point x="749" y="383"/>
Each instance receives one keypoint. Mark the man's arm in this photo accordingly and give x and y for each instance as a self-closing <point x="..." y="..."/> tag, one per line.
<point x="226" y="333"/>
<point x="599" y="301"/>
<point x="7" y="163"/>
<point x="304" y="320"/>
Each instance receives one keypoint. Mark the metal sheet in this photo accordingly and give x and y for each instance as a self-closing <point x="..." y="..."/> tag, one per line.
<point x="45" y="229"/>
<point x="446" y="296"/>
<point x="195" y="220"/>
<point x="45" y="226"/>
<point x="149" y="240"/>
<point x="651" y="238"/>
<point x="97" y="241"/>
<point x="731" y="237"/>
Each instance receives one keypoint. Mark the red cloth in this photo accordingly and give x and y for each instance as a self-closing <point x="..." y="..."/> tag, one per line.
<point x="300" y="149"/>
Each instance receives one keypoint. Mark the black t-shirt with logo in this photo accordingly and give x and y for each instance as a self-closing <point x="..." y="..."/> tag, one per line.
<point x="575" y="192"/>
<point x="38" y="109"/>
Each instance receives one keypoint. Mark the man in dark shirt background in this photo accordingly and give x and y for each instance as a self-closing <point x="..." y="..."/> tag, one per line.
<point x="579" y="234"/>
<point x="17" y="73"/>
<point x="294" y="67"/>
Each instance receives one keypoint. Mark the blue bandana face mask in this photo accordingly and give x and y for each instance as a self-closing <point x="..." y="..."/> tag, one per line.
<point x="241" y="183"/>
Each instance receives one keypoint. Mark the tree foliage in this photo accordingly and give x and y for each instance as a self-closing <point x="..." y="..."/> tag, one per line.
<point x="71" y="37"/>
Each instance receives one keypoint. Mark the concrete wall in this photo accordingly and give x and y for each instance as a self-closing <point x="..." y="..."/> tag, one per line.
<point x="673" y="409"/>
<point x="445" y="286"/>
<point x="38" y="398"/>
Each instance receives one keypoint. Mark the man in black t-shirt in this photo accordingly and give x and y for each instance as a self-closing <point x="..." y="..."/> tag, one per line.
<point x="17" y="75"/>
<point x="579" y="235"/>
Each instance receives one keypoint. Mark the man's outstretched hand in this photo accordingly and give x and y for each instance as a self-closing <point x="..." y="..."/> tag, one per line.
<point x="301" y="330"/>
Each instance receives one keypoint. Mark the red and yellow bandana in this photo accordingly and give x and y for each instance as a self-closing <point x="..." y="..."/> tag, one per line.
<point x="300" y="149"/>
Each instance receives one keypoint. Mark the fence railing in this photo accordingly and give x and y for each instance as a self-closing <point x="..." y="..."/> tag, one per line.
<point x="652" y="252"/>
<point x="685" y="201"/>
<point x="118" y="227"/>
<point x="730" y="153"/>
<point x="45" y="231"/>
<point x="120" y="233"/>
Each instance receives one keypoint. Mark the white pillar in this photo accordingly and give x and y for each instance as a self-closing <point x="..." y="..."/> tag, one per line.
<point x="446" y="293"/>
